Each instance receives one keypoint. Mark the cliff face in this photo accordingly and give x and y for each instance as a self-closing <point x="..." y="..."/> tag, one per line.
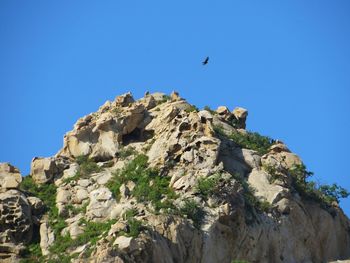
<point x="156" y="180"/>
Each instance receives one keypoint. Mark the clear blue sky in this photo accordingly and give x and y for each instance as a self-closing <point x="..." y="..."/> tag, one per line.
<point x="287" y="62"/>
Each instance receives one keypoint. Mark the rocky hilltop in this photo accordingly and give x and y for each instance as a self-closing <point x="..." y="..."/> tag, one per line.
<point x="157" y="180"/>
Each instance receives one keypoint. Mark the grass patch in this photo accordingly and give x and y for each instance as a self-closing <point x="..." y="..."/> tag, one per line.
<point x="149" y="186"/>
<point x="125" y="152"/>
<point x="253" y="141"/>
<point x="46" y="192"/>
<point x="192" y="108"/>
<point x="87" y="166"/>
<point x="93" y="231"/>
<point x="207" y="186"/>
<point x="324" y="194"/>
<point x="134" y="226"/>
<point x="272" y="172"/>
<point x="193" y="211"/>
<point x="74" y="210"/>
<point x="32" y="253"/>
<point x="207" y="108"/>
<point x="164" y="99"/>
<point x="248" y="140"/>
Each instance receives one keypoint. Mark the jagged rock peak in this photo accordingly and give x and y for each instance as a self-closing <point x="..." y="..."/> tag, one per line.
<point x="157" y="180"/>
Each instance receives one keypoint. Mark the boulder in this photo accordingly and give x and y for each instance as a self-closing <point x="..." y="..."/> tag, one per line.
<point x="126" y="244"/>
<point x="124" y="100"/>
<point x="222" y="110"/>
<point x="205" y="115"/>
<point x="148" y="102"/>
<point x="240" y="115"/>
<point x="101" y="203"/>
<point x="47" y="237"/>
<point x="15" y="216"/>
<point x="272" y="193"/>
<point x="36" y="204"/>
<point x="43" y="170"/>
<point x="174" y="96"/>
<point x="10" y="177"/>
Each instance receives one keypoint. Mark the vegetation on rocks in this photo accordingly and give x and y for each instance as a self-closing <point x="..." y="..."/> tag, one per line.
<point x="164" y="99"/>
<point x="272" y="171"/>
<point x="149" y="185"/>
<point x="87" y="166"/>
<point x="46" y="192"/>
<point x="251" y="201"/>
<point x="207" y="186"/>
<point x="325" y="194"/>
<point x="125" y="152"/>
<point x="192" y="108"/>
<point x="192" y="210"/>
<point x="248" y="140"/>
<point x="134" y="225"/>
<point x="207" y="108"/>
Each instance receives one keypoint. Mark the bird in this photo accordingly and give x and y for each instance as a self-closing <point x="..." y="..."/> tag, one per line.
<point x="205" y="61"/>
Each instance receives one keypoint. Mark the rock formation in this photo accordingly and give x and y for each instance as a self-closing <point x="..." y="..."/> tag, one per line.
<point x="156" y="180"/>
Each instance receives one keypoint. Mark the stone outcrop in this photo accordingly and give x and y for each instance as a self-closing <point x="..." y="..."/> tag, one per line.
<point x="219" y="201"/>
<point x="10" y="177"/>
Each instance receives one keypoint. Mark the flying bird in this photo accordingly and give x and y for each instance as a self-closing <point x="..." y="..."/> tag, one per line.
<point x="205" y="62"/>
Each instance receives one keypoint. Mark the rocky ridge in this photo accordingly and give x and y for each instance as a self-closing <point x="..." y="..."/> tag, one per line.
<point x="157" y="180"/>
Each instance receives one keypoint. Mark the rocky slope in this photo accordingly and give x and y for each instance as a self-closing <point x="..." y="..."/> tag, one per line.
<point x="156" y="180"/>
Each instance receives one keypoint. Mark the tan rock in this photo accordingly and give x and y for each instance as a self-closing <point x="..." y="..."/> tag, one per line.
<point x="240" y="113"/>
<point x="259" y="180"/>
<point x="240" y="117"/>
<point x="124" y="100"/>
<point x="43" y="170"/>
<point x="205" y="115"/>
<point x="47" y="237"/>
<point x="174" y="96"/>
<point x="10" y="177"/>
<point x="36" y="204"/>
<point x="222" y="110"/>
<point x="127" y="244"/>
<point x="63" y="196"/>
<point x="15" y="217"/>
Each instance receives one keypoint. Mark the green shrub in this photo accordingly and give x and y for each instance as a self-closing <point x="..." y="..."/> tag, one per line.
<point x="272" y="172"/>
<point x="149" y="186"/>
<point x="219" y="130"/>
<point x="193" y="211"/>
<point x="207" y="186"/>
<point x="46" y="192"/>
<point x="192" y="108"/>
<point x="333" y="192"/>
<point x="135" y="226"/>
<point x="253" y="141"/>
<point x="87" y="166"/>
<point x="248" y="140"/>
<point x="93" y="231"/>
<point x="324" y="194"/>
<point x="207" y="108"/>
<point x="125" y="152"/>
<point x="164" y="99"/>
<point x="32" y="253"/>
<point x="74" y="210"/>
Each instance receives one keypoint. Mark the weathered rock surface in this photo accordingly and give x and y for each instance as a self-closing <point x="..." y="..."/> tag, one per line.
<point x="10" y="177"/>
<point x="43" y="170"/>
<point x="219" y="223"/>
